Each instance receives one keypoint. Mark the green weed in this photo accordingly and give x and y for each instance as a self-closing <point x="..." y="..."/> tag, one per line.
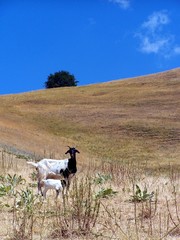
<point x="102" y="178"/>
<point x="105" y="193"/>
<point x="141" y="195"/>
<point x="9" y="183"/>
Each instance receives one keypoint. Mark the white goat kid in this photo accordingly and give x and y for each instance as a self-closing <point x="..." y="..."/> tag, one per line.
<point x="55" y="184"/>
<point x="56" y="169"/>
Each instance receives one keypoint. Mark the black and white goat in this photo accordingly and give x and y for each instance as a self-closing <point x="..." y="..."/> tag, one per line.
<point x="56" y="169"/>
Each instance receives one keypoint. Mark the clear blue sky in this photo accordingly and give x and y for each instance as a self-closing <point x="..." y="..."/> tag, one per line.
<point x="96" y="40"/>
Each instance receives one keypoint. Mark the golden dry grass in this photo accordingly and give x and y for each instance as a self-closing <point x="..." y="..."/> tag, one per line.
<point x="134" y="119"/>
<point x="118" y="218"/>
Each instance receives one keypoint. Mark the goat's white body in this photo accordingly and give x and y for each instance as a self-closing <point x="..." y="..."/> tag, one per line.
<point x="54" y="165"/>
<point x="46" y="166"/>
<point x="51" y="184"/>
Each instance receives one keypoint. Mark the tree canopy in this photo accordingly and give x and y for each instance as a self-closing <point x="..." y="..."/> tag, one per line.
<point x="61" y="79"/>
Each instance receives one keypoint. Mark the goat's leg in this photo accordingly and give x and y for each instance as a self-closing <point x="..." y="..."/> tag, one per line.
<point x="57" y="193"/>
<point x="69" y="180"/>
<point x="68" y="184"/>
<point x="66" y="187"/>
<point x="40" y="188"/>
<point x="44" y="193"/>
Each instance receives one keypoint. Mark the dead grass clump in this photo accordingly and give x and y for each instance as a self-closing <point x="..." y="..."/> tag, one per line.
<point x="78" y="214"/>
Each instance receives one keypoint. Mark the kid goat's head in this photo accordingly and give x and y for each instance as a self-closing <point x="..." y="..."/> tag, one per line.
<point x="72" y="151"/>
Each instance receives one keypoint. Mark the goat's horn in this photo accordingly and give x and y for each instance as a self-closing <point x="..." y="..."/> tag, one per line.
<point x="68" y="146"/>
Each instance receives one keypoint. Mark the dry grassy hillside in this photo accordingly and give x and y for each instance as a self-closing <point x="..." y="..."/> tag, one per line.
<point x="134" y="119"/>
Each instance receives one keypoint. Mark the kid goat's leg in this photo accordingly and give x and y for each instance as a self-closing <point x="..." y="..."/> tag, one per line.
<point x="39" y="188"/>
<point x="44" y="193"/>
<point x="40" y="185"/>
<point x="57" y="193"/>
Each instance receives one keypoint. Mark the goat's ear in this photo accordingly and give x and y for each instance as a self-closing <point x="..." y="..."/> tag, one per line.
<point x="67" y="152"/>
<point x="77" y="151"/>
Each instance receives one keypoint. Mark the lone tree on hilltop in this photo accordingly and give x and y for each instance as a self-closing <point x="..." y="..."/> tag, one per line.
<point x="61" y="79"/>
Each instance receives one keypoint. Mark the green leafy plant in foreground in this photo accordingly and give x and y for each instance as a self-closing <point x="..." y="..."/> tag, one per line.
<point x="27" y="200"/>
<point x="9" y="183"/>
<point x="4" y="190"/>
<point x="105" y="193"/>
<point x="26" y="210"/>
<point x="102" y="178"/>
<point x="141" y="195"/>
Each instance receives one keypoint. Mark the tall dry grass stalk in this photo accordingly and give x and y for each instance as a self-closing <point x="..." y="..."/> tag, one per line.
<point x="7" y="161"/>
<point x="78" y="214"/>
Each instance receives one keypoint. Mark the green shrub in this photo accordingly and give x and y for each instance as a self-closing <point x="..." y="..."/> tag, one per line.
<point x="141" y="196"/>
<point x="105" y="193"/>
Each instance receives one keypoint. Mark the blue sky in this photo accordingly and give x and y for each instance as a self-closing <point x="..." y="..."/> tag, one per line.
<point x="96" y="40"/>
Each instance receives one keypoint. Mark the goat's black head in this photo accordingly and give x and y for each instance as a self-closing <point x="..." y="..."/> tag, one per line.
<point x="72" y="151"/>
